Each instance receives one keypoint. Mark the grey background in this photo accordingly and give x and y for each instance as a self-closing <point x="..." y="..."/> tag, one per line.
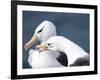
<point x="73" y="26"/>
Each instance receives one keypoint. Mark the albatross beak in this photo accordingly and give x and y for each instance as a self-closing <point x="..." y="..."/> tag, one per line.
<point x="31" y="42"/>
<point x="42" y="47"/>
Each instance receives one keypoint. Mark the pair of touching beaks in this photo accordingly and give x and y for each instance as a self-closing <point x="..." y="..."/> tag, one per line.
<point x="34" y="39"/>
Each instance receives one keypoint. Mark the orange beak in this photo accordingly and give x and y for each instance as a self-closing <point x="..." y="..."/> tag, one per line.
<point x="42" y="47"/>
<point x="31" y="42"/>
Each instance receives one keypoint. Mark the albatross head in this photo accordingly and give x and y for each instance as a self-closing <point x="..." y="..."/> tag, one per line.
<point x="45" y="30"/>
<point x="42" y="33"/>
<point x="54" y="44"/>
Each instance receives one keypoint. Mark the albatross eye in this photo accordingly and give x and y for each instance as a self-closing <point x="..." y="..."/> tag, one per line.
<point x="50" y="45"/>
<point x="40" y="30"/>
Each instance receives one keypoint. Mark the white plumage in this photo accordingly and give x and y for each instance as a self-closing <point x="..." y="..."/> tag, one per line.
<point x="72" y="50"/>
<point x="45" y="58"/>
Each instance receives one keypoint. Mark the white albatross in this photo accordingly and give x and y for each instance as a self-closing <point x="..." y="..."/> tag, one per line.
<point x="45" y="58"/>
<point x="74" y="52"/>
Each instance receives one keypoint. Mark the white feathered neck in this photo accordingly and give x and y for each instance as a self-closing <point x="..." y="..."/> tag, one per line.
<point x="72" y="50"/>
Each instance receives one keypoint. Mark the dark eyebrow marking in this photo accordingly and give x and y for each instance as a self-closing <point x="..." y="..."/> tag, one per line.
<point x="40" y="30"/>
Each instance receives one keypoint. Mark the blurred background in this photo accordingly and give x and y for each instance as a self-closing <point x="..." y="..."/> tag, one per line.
<point x="74" y="26"/>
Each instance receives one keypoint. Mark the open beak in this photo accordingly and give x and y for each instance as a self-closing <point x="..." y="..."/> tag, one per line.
<point x="42" y="47"/>
<point x="31" y="42"/>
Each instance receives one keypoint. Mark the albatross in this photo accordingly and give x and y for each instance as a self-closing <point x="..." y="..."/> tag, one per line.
<point x="46" y="58"/>
<point x="76" y="55"/>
